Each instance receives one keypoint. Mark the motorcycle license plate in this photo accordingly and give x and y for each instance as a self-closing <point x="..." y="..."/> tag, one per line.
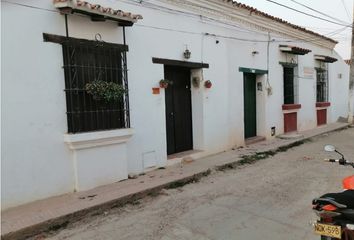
<point x="328" y="230"/>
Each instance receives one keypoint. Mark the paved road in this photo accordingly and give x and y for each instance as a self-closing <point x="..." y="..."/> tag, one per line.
<point x="270" y="199"/>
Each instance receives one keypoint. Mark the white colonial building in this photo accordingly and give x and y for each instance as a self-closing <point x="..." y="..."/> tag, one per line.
<point x="83" y="103"/>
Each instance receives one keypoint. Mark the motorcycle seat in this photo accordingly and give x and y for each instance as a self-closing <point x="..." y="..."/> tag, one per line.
<point x="344" y="198"/>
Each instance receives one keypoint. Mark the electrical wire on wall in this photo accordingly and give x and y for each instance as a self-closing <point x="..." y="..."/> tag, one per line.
<point x="269" y="87"/>
<point x="157" y="7"/>
<point x="153" y="6"/>
<point x="225" y="23"/>
<point x="202" y="48"/>
<point x="204" y="19"/>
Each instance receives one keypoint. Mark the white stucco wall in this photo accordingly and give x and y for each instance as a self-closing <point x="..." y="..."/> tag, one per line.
<point x="338" y="83"/>
<point x="36" y="163"/>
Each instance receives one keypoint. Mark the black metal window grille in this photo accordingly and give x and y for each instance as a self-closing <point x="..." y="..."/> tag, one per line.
<point x="289" y="86"/>
<point x="84" y="62"/>
<point x="322" y="85"/>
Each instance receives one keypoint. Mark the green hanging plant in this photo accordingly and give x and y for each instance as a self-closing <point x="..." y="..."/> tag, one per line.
<point x="107" y="91"/>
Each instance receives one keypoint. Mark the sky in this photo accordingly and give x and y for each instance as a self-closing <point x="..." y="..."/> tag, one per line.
<point x="340" y="9"/>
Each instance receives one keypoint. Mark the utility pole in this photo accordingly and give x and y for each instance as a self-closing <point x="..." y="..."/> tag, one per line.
<point x="351" y="78"/>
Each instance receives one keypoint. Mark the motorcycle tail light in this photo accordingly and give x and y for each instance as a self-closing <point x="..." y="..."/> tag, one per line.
<point x="329" y="207"/>
<point x="327" y="219"/>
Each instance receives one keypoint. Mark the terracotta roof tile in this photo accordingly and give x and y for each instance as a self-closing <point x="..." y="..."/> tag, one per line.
<point x="294" y="49"/>
<point x="277" y="19"/>
<point x="96" y="8"/>
<point x="323" y="58"/>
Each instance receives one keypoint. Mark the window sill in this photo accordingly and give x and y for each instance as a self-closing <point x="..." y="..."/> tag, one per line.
<point x="323" y="104"/>
<point x="291" y="106"/>
<point x="99" y="138"/>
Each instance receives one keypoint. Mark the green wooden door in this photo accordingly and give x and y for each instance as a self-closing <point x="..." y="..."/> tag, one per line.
<point x="249" y="94"/>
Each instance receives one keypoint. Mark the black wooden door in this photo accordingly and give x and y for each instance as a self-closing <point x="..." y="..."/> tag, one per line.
<point x="249" y="94"/>
<point x="178" y="110"/>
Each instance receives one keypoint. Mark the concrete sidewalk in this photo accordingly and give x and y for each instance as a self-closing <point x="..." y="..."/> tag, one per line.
<point x="52" y="213"/>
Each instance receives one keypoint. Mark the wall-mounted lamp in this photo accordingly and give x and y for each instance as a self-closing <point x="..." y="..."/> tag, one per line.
<point x="196" y="82"/>
<point x="269" y="91"/>
<point x="187" y="53"/>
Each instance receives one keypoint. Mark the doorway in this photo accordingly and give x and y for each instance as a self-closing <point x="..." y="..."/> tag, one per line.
<point x="178" y="103"/>
<point x="250" y="105"/>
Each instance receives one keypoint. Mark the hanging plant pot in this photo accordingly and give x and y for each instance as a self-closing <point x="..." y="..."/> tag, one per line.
<point x="105" y="91"/>
<point x="208" y="84"/>
<point x="164" y="83"/>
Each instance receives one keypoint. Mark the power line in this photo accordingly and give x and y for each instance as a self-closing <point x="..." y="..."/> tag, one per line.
<point x="308" y="14"/>
<point x="324" y="14"/>
<point x="308" y="40"/>
<point x="157" y="7"/>
<point x="174" y="11"/>
<point x="346" y="10"/>
<point x="31" y="6"/>
<point x="314" y="39"/>
<point x="203" y="18"/>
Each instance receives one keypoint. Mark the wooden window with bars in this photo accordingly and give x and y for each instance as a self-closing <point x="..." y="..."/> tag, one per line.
<point x="321" y="85"/>
<point x="86" y="61"/>
<point x="289" y="86"/>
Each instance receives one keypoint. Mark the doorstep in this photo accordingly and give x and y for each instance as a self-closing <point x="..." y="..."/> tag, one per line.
<point x="253" y="140"/>
<point x="185" y="157"/>
<point x="34" y="218"/>
<point x="291" y="135"/>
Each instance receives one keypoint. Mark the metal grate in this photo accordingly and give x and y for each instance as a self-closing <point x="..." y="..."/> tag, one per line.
<point x="290" y="87"/>
<point x="322" y="85"/>
<point x="84" y="62"/>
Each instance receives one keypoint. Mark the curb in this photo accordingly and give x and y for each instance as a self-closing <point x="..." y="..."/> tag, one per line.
<point x="63" y="221"/>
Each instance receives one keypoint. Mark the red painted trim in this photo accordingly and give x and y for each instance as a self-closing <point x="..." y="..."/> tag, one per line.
<point x="321" y="117"/>
<point x="323" y="104"/>
<point x="290" y="122"/>
<point x="291" y="106"/>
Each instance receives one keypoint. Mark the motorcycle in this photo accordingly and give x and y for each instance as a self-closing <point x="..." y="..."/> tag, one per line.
<point x="335" y="211"/>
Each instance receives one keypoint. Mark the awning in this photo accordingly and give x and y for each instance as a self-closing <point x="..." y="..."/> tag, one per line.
<point x="326" y="59"/>
<point x="97" y="12"/>
<point x="171" y="62"/>
<point x="252" y="70"/>
<point x="294" y="50"/>
<point x="288" y="64"/>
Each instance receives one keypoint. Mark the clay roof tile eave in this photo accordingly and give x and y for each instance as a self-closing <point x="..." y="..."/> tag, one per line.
<point x="277" y="19"/>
